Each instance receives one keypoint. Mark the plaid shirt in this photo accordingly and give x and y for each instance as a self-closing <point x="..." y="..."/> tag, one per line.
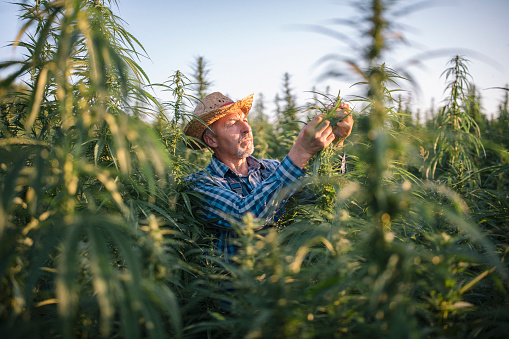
<point x="228" y="196"/>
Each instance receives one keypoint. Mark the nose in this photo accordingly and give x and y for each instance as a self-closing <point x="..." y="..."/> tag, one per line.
<point x="245" y="128"/>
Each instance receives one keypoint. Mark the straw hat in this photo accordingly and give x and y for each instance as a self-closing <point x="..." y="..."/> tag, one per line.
<point x="212" y="108"/>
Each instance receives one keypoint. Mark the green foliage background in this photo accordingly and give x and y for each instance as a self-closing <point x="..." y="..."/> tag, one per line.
<point x="98" y="239"/>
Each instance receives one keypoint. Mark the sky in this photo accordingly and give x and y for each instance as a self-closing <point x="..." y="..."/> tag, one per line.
<point x="249" y="45"/>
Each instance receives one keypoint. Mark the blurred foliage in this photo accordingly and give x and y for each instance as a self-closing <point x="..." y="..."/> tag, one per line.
<point x="98" y="238"/>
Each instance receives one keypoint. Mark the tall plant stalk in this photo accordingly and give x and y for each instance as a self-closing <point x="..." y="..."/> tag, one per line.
<point x="458" y="142"/>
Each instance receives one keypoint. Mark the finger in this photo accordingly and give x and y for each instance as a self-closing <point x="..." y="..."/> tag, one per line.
<point x="312" y="125"/>
<point x="344" y="117"/>
<point x="316" y="120"/>
<point x="344" y="106"/>
<point x="343" y="130"/>
<point x="348" y="120"/>
<point x="330" y="138"/>
<point x="323" y="126"/>
<point x="344" y="125"/>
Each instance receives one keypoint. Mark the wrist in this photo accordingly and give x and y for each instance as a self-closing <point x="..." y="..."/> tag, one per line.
<point x="299" y="156"/>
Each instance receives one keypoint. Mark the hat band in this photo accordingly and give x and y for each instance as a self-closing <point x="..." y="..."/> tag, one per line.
<point x="228" y="103"/>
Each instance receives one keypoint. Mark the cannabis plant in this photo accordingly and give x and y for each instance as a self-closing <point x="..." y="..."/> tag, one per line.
<point x="395" y="255"/>
<point x="82" y="249"/>
<point x="458" y="142"/>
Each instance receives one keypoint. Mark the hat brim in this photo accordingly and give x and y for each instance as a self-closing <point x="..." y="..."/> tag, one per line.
<point x="197" y="126"/>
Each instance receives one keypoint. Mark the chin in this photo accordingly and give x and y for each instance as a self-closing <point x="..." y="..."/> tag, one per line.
<point x="245" y="153"/>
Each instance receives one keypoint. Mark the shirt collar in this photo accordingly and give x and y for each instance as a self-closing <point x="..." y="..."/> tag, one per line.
<point x="218" y="168"/>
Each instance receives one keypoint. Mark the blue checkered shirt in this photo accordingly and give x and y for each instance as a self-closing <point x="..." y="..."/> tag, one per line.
<point x="227" y="196"/>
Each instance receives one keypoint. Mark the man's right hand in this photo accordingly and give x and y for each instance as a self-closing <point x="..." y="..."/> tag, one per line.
<point x="314" y="137"/>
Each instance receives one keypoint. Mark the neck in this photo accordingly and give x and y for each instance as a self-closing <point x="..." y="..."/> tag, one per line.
<point x="238" y="165"/>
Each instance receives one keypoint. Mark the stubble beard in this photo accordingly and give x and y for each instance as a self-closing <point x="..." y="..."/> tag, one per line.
<point x="244" y="153"/>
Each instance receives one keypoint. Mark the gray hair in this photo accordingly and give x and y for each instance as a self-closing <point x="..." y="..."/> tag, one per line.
<point x="208" y="130"/>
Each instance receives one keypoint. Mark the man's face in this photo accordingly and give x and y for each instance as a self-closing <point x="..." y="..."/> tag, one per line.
<point x="233" y="135"/>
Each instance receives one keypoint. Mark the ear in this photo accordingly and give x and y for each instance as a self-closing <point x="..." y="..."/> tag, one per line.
<point x="210" y="140"/>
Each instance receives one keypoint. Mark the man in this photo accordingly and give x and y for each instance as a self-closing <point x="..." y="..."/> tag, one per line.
<point x="235" y="183"/>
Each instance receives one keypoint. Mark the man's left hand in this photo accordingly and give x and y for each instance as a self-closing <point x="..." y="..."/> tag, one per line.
<point x="344" y="127"/>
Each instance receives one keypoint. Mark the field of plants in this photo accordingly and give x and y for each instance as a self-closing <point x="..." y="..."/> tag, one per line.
<point x="98" y="237"/>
